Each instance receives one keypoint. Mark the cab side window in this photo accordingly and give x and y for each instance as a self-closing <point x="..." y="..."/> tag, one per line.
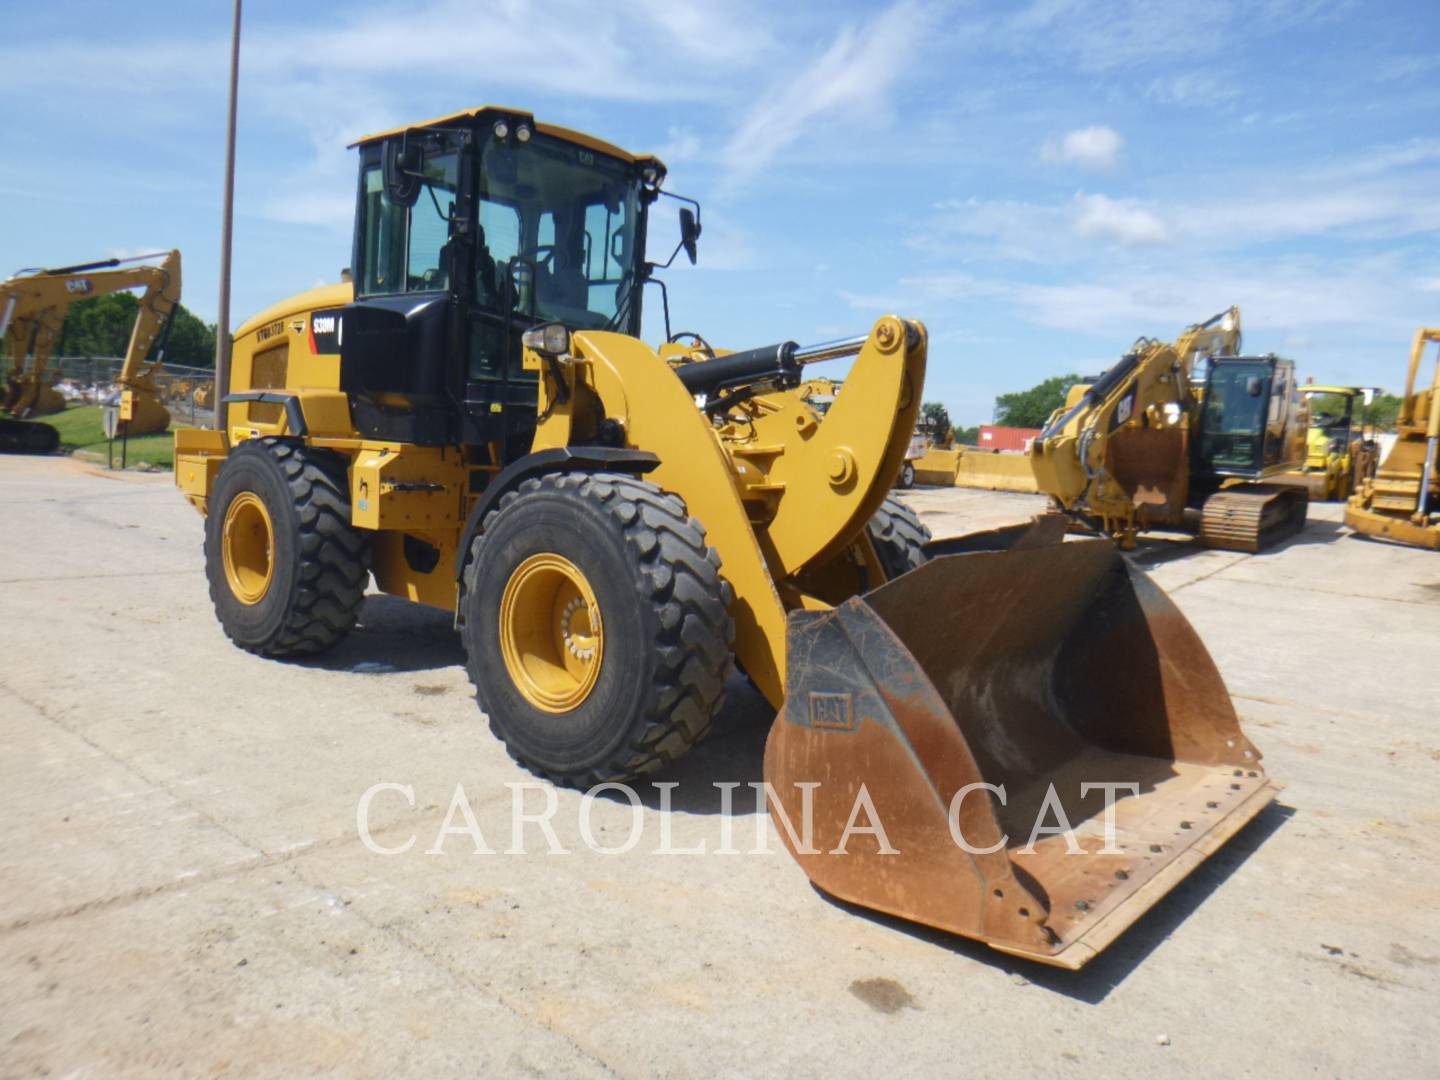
<point x="383" y="238"/>
<point x="404" y="250"/>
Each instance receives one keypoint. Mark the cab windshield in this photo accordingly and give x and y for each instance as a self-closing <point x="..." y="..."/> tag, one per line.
<point x="1329" y="412"/>
<point x="561" y="222"/>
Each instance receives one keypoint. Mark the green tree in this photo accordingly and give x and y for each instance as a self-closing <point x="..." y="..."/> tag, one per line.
<point x="101" y="326"/>
<point x="1031" y="408"/>
<point x="192" y="340"/>
<point x="1381" y="412"/>
<point x="968" y="436"/>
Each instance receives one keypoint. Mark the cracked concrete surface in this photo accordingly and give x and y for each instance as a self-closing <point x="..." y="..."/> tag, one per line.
<point x="183" y="891"/>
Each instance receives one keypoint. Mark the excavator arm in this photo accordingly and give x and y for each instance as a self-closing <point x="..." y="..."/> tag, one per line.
<point x="33" y="306"/>
<point x="1147" y="396"/>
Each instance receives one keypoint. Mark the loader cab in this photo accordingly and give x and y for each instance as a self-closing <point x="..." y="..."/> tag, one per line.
<point x="1252" y="419"/>
<point x="468" y="231"/>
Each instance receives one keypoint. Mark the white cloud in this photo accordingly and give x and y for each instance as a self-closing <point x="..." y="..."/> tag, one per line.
<point x="1281" y="296"/>
<point x="1194" y="88"/>
<point x="1088" y="148"/>
<point x="855" y="75"/>
<point x="1122" y="220"/>
<point x="1430" y="285"/>
<point x="682" y="145"/>
<point x="1403" y="68"/>
<point x="1110" y="35"/>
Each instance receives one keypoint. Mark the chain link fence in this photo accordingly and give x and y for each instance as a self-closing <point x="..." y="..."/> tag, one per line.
<point x="189" y="393"/>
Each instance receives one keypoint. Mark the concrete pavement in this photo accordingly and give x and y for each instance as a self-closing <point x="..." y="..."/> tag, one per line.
<point x="183" y="889"/>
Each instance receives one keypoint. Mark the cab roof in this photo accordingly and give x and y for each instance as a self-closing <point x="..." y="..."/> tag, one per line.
<point x="516" y="115"/>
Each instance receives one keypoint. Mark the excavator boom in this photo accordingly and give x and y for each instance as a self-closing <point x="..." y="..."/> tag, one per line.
<point x="1145" y="447"/>
<point x="33" y="306"/>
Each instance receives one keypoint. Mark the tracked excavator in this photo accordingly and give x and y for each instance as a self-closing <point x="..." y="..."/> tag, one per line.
<point x="476" y="423"/>
<point x="33" y="305"/>
<point x="1183" y="437"/>
<point x="1401" y="502"/>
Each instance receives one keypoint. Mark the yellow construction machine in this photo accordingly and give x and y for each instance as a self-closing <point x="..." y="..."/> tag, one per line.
<point x="1402" y="500"/>
<point x="33" y="305"/>
<point x="1155" y="444"/>
<point x="475" y="422"/>
<point x="1337" y="456"/>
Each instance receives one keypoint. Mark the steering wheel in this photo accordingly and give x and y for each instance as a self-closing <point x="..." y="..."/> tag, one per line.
<point x="540" y="255"/>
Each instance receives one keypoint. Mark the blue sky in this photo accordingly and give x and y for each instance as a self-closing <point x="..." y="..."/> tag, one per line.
<point x="1041" y="183"/>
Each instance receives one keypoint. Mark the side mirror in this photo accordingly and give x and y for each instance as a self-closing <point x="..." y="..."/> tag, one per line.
<point x="1254" y="386"/>
<point x="402" y="172"/>
<point x="689" y="232"/>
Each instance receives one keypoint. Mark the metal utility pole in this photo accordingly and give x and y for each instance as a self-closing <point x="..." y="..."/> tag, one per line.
<point x="222" y="322"/>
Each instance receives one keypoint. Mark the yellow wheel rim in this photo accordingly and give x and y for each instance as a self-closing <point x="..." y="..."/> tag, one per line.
<point x="551" y="636"/>
<point x="248" y="545"/>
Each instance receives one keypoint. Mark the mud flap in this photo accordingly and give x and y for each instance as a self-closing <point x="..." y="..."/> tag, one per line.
<point x="963" y="703"/>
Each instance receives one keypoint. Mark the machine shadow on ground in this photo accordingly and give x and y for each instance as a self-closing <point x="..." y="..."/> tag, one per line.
<point x="1093" y="983"/>
<point x="732" y="753"/>
<point x="395" y="635"/>
<point x="1157" y="551"/>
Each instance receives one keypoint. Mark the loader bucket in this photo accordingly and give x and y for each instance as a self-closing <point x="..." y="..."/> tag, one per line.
<point x="1039" y="670"/>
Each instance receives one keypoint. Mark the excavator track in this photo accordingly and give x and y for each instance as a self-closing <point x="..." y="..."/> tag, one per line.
<point x="1253" y="517"/>
<point x="27" y="437"/>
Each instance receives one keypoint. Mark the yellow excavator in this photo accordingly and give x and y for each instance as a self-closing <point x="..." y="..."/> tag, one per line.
<point x="1338" y="458"/>
<point x="1154" y="444"/>
<point x="474" y="422"/>
<point x="1401" y="501"/>
<point x="33" y="305"/>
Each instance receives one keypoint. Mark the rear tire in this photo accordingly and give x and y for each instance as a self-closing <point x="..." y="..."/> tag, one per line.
<point x="898" y="537"/>
<point x="287" y="570"/>
<point x="659" y="638"/>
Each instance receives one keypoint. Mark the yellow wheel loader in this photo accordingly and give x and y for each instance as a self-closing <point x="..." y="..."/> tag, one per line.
<point x="33" y="304"/>
<point x="1338" y="458"/>
<point x="475" y="424"/>
<point x="1401" y="501"/>
<point x="1155" y="444"/>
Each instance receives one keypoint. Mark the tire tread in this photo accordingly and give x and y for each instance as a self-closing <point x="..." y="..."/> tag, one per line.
<point x="680" y="575"/>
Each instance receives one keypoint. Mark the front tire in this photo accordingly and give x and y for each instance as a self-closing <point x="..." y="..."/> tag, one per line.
<point x="899" y="537"/>
<point x="287" y="570"/>
<point x="595" y="627"/>
<point x="907" y="476"/>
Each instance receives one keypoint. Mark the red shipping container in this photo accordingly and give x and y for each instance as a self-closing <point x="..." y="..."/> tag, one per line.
<point x="994" y="437"/>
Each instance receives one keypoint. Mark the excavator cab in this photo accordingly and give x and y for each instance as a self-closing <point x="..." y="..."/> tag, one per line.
<point x="1250" y="418"/>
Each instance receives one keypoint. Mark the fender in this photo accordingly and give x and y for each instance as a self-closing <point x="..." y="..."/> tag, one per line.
<point x="553" y="460"/>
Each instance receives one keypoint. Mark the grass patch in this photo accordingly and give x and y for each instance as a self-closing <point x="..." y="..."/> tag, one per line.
<point x="82" y="433"/>
<point x="80" y="425"/>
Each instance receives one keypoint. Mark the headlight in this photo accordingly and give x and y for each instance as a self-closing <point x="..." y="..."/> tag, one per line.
<point x="502" y="129"/>
<point x="523" y="133"/>
<point x="552" y="338"/>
